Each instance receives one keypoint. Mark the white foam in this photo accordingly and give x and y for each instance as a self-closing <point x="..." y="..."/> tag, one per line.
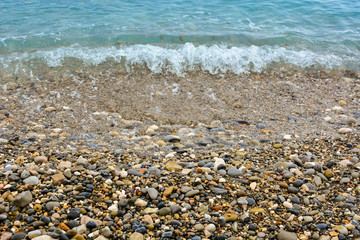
<point x="187" y="57"/>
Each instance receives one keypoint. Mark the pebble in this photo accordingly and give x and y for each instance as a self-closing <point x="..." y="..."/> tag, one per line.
<point x="33" y="181"/>
<point x="153" y="193"/>
<point x="285" y="235"/>
<point x="23" y="199"/>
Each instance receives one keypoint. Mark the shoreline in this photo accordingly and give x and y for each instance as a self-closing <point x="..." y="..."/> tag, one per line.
<point x="257" y="157"/>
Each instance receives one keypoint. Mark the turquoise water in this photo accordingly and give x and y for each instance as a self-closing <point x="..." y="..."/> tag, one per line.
<point x="179" y="36"/>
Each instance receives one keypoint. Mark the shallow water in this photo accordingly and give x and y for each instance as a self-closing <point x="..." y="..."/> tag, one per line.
<point x="180" y="36"/>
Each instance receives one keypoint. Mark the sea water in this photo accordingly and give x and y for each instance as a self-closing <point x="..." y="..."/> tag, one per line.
<point x="178" y="36"/>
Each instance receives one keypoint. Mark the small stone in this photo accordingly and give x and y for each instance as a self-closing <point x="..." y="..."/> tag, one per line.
<point x="218" y="162"/>
<point x="67" y="173"/>
<point x="74" y="213"/>
<point x="58" y="178"/>
<point x="23" y="199"/>
<point x="192" y="193"/>
<point x="91" y="225"/>
<point x="172" y="166"/>
<point x="210" y="227"/>
<point x="284" y="235"/>
<point x="230" y="217"/>
<point x="172" y="139"/>
<point x="64" y="165"/>
<point x="33" y="181"/>
<point x="345" y="130"/>
<point x="153" y="193"/>
<point x="164" y="211"/>
<point x="136" y="236"/>
<point x="199" y="227"/>
<point x="51" y="205"/>
<point x="44" y="237"/>
<point x="234" y="172"/>
<point x="34" y="234"/>
<point x="308" y="219"/>
<point x="140" y="203"/>
<point x="328" y="173"/>
<point x="40" y="159"/>
<point x="82" y="161"/>
<point x="168" y="191"/>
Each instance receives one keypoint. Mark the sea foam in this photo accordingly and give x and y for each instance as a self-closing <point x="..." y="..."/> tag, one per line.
<point x="179" y="59"/>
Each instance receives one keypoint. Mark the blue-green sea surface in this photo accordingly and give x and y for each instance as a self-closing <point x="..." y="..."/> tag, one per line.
<point x="177" y="36"/>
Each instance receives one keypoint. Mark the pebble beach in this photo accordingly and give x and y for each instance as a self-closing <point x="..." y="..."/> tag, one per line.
<point x="256" y="156"/>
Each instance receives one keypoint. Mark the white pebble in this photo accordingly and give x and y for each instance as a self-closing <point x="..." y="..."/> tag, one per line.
<point x="345" y="130"/>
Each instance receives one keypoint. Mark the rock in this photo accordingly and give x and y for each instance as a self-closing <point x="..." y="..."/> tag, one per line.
<point x="91" y="225"/>
<point x="219" y="191"/>
<point x="140" y="203"/>
<point x="40" y="159"/>
<point x="164" y="211"/>
<point x="284" y="235"/>
<point x="153" y="193"/>
<point x="136" y="236"/>
<point x="168" y="191"/>
<point x="172" y="139"/>
<point x="234" y="172"/>
<point x="34" y="234"/>
<point x="58" y="178"/>
<point x="328" y="173"/>
<point x="210" y="227"/>
<point x="25" y="174"/>
<point x="345" y="130"/>
<point x="192" y="193"/>
<point x="199" y="227"/>
<point x="218" y="162"/>
<point x="308" y="219"/>
<point x="82" y="161"/>
<point x="33" y="181"/>
<point x="172" y="166"/>
<point x="74" y="213"/>
<point x="67" y="173"/>
<point x="230" y="217"/>
<point x="6" y="235"/>
<point x="64" y="165"/>
<point x="23" y="199"/>
<point x="43" y="237"/>
<point x="51" y="205"/>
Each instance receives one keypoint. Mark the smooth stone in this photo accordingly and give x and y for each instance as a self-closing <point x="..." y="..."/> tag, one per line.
<point x="321" y="226"/>
<point x="192" y="193"/>
<point x="172" y="139"/>
<point x="218" y="162"/>
<point x="34" y="234"/>
<point x="74" y="213"/>
<point x="164" y="211"/>
<point x="234" y="172"/>
<point x="64" y="165"/>
<point x="43" y="237"/>
<point x="136" y="236"/>
<point x="153" y="193"/>
<point x="172" y="166"/>
<point x="219" y="191"/>
<point x="40" y="159"/>
<point x="23" y="199"/>
<point x="33" y="181"/>
<point x="25" y="174"/>
<point x="140" y="203"/>
<point x="210" y="227"/>
<point x="308" y="219"/>
<point x="199" y="227"/>
<point x="51" y="205"/>
<point x="285" y="235"/>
